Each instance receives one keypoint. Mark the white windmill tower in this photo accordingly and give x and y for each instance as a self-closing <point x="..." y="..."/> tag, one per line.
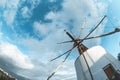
<point x="103" y="66"/>
<point x="94" y="63"/>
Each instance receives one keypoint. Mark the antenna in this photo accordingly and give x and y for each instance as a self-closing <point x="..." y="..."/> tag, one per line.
<point x="81" y="48"/>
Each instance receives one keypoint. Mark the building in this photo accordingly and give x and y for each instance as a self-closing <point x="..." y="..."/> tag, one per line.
<point x="101" y="65"/>
<point x="5" y="76"/>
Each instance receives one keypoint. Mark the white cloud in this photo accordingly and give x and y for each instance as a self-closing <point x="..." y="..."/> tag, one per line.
<point x="110" y="1"/>
<point x="101" y="8"/>
<point x="14" y="56"/>
<point x="66" y="72"/>
<point x="9" y="16"/>
<point x="47" y="47"/>
<point x="52" y="0"/>
<point x="26" y="13"/>
<point x="1" y="24"/>
<point x="42" y="70"/>
<point x="73" y="13"/>
<point x="42" y="29"/>
<point x="118" y="22"/>
<point x="50" y="15"/>
<point x="34" y="3"/>
<point x="10" y="10"/>
<point x="13" y="4"/>
<point x="2" y="3"/>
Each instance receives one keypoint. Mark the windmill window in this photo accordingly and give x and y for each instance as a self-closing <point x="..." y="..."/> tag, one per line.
<point x="110" y="72"/>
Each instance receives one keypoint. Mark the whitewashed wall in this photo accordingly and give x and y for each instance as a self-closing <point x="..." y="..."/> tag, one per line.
<point x="97" y="59"/>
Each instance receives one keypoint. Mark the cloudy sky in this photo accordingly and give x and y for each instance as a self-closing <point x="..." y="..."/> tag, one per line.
<point x="31" y="29"/>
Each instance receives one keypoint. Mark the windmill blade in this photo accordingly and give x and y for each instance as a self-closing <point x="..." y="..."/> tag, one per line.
<point x="68" y="50"/>
<point x="103" y="35"/>
<point x="81" y="40"/>
<point x="52" y="74"/>
<point x="81" y="30"/>
<point x="65" y="42"/>
<point x="110" y="33"/>
<point x="96" y="26"/>
<point x="70" y="35"/>
<point x="64" y="53"/>
<point x="56" y="69"/>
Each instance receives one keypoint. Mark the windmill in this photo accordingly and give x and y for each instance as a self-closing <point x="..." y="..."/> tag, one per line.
<point x="77" y="42"/>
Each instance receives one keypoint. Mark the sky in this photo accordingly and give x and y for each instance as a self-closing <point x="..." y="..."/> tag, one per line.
<point x="31" y="29"/>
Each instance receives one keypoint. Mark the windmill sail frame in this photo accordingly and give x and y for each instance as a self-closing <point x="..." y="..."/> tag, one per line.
<point x="81" y="47"/>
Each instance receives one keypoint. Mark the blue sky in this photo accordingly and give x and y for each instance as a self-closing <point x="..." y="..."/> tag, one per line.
<point x="30" y="29"/>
